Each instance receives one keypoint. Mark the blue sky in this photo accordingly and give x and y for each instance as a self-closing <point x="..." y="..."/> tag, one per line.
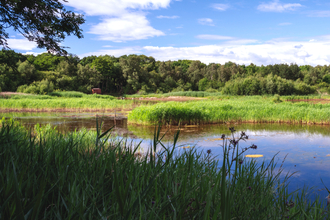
<point x="242" y="31"/>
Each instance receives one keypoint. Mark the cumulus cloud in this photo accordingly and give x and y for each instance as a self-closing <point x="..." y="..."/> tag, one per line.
<point x="277" y="6"/>
<point x="122" y="20"/>
<point x="221" y="7"/>
<point x="21" y="44"/>
<point x="206" y="21"/>
<point x="115" y="7"/>
<point x="133" y="26"/>
<point x="261" y="54"/>
<point x="168" y="17"/>
<point x="270" y="52"/>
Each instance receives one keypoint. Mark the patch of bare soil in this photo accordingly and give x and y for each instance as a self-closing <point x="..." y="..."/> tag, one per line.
<point x="312" y="101"/>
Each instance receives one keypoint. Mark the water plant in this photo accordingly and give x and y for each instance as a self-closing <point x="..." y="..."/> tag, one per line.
<point x="49" y="175"/>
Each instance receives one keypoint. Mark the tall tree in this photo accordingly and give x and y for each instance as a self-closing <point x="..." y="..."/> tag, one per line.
<point x="45" y="22"/>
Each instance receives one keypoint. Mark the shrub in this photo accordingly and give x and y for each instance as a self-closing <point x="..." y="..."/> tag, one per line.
<point x="40" y="87"/>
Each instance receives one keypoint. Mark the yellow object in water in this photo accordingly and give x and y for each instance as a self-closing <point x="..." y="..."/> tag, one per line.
<point x="328" y="155"/>
<point x="186" y="147"/>
<point x="254" y="155"/>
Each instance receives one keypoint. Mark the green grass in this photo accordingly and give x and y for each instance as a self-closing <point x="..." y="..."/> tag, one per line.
<point x="183" y="93"/>
<point x="68" y="94"/>
<point x="65" y="100"/>
<point x="238" y="109"/>
<point x="83" y="175"/>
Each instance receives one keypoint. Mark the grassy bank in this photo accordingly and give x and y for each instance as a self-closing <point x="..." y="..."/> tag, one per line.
<point x="240" y="109"/>
<point x="82" y="175"/>
<point x="64" y="100"/>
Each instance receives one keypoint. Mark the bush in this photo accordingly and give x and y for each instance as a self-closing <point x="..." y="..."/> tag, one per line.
<point x="41" y="87"/>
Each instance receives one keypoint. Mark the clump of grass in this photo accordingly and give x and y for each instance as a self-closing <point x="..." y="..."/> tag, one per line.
<point x="277" y="99"/>
<point x="48" y="175"/>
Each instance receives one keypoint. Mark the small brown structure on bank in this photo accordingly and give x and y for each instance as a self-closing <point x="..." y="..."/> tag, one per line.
<point x="96" y="90"/>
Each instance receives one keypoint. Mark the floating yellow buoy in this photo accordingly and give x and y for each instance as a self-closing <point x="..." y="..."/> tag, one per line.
<point x="254" y="155"/>
<point x="186" y="147"/>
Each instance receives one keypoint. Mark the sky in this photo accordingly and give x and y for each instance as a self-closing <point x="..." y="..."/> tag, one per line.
<point x="240" y="31"/>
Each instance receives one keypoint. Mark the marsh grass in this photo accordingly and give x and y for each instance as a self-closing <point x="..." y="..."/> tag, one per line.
<point x="68" y="94"/>
<point x="64" y="102"/>
<point x="84" y="175"/>
<point x="255" y="109"/>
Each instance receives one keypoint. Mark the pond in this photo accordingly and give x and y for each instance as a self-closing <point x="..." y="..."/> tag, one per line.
<point x="307" y="146"/>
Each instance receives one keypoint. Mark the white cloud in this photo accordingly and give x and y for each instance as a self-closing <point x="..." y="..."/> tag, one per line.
<point x="261" y="54"/>
<point x="114" y="52"/>
<point x="221" y="7"/>
<point x="122" y="19"/>
<point x="33" y="53"/>
<point x="115" y="7"/>
<point x="319" y="14"/>
<point x="168" y="17"/>
<point x="213" y="37"/>
<point x="21" y="44"/>
<point x="241" y="51"/>
<point x="284" y="24"/>
<point x="133" y="26"/>
<point x="206" y="21"/>
<point x="277" y="6"/>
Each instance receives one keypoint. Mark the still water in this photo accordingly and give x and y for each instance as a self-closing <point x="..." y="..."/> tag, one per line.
<point x="307" y="146"/>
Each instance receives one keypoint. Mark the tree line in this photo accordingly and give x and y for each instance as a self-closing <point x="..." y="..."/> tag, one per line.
<point x="142" y="74"/>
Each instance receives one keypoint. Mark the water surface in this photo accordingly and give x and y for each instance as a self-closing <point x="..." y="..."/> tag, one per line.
<point x="306" y="147"/>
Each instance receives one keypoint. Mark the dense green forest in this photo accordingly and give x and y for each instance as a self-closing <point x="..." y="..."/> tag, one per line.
<point x="141" y="74"/>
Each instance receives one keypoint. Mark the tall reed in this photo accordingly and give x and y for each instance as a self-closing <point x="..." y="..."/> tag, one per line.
<point x="48" y="175"/>
<point x="244" y="109"/>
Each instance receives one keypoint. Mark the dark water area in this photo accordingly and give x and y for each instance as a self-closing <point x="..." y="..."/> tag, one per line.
<point x="306" y="147"/>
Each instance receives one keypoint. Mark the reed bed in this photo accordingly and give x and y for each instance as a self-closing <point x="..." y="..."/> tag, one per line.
<point x="53" y="102"/>
<point x="245" y="109"/>
<point x="83" y="175"/>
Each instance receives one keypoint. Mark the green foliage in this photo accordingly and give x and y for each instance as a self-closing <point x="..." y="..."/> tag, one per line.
<point x="203" y="84"/>
<point x="32" y="19"/>
<point x="41" y="87"/>
<point x="141" y="74"/>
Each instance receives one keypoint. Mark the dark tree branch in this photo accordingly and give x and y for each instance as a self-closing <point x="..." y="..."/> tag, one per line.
<point x="45" y="22"/>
